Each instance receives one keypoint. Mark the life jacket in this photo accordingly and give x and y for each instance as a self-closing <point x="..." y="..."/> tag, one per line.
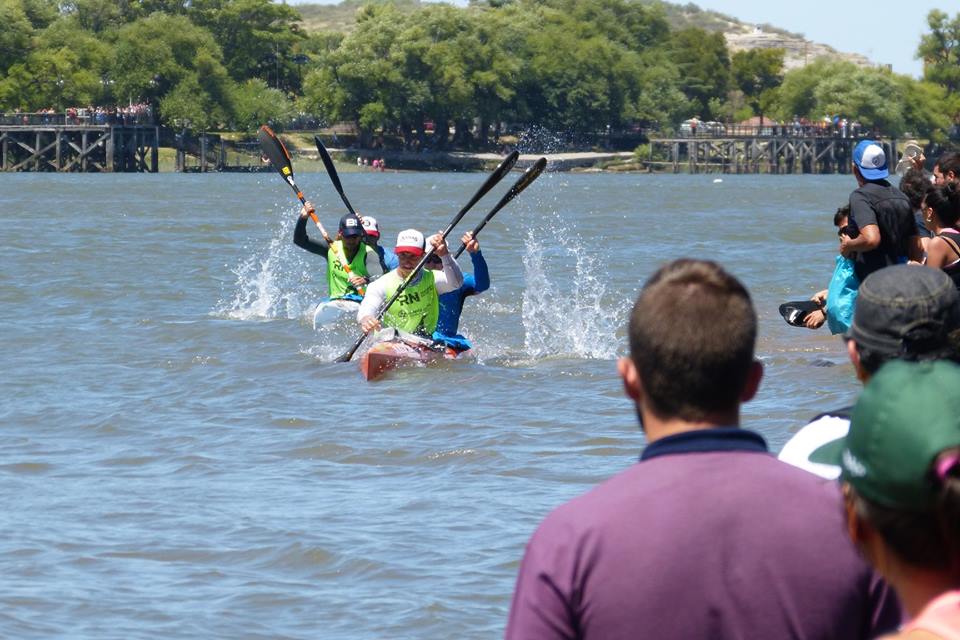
<point x="417" y="308"/>
<point x="338" y="279"/>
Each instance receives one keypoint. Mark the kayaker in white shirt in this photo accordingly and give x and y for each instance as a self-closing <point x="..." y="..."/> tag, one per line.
<point x="418" y="307"/>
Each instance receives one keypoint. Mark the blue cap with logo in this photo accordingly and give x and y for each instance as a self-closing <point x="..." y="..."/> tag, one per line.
<point x="870" y="158"/>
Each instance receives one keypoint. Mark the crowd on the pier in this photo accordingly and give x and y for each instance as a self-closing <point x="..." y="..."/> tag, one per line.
<point x="130" y="114"/>
<point x="854" y="532"/>
<point x="827" y="127"/>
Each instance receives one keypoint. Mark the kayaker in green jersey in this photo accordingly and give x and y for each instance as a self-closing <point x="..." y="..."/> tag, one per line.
<point x="418" y="307"/>
<point x="351" y="264"/>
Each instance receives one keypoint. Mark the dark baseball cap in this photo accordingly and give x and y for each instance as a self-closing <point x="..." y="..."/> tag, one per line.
<point x="906" y="311"/>
<point x="907" y="415"/>
<point x="350" y="226"/>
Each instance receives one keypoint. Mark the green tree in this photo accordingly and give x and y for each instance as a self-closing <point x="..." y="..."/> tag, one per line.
<point x="66" y="67"/>
<point x="15" y="33"/>
<point x="927" y="107"/>
<point x="757" y="73"/>
<point x="797" y="94"/>
<point x="661" y="100"/>
<point x="255" y="36"/>
<point x="255" y="103"/>
<point x="187" y="106"/>
<point x="155" y="54"/>
<point x="366" y="68"/>
<point x="704" y="64"/>
<point x="940" y="50"/>
<point x="871" y="96"/>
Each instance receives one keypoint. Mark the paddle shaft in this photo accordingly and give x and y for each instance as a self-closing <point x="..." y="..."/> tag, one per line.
<point x="498" y="174"/>
<point x="531" y="174"/>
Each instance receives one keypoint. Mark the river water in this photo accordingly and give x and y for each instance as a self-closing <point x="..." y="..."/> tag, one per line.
<point x="180" y="458"/>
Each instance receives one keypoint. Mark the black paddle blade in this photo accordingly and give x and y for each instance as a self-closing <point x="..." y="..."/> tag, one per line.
<point x="532" y="173"/>
<point x="498" y="174"/>
<point x="275" y="151"/>
<point x="332" y="172"/>
<point x="349" y="354"/>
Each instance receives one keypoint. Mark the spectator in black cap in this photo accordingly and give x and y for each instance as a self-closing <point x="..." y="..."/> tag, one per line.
<point x="350" y="263"/>
<point x="904" y="312"/>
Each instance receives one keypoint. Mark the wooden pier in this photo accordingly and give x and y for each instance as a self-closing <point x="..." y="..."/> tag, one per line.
<point x="79" y="147"/>
<point x="767" y="154"/>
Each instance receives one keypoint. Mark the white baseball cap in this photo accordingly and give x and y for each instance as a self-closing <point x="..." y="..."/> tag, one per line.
<point x="409" y="241"/>
<point x="370" y="226"/>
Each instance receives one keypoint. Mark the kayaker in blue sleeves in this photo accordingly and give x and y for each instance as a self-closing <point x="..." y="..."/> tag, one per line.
<point x="451" y="304"/>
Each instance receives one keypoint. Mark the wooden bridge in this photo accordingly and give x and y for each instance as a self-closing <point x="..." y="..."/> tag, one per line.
<point x="68" y="146"/>
<point x="767" y="154"/>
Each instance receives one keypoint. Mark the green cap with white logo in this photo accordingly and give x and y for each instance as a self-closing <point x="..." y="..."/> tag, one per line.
<point x="906" y="416"/>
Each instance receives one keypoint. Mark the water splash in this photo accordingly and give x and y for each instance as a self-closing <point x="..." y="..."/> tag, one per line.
<point x="274" y="281"/>
<point x="564" y="313"/>
<point x="566" y="308"/>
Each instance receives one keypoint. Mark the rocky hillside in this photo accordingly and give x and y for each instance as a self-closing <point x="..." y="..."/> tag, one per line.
<point x="739" y="35"/>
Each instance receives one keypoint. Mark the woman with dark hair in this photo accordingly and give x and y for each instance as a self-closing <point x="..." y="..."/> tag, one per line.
<point x="901" y="481"/>
<point x="941" y="210"/>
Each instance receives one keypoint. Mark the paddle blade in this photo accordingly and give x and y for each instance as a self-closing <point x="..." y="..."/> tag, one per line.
<point x="498" y="174"/>
<point x="274" y="150"/>
<point x="349" y="354"/>
<point x="531" y="174"/>
<point x="332" y="172"/>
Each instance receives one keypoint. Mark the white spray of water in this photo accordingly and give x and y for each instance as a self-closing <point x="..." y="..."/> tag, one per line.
<point x="564" y="310"/>
<point x="275" y="281"/>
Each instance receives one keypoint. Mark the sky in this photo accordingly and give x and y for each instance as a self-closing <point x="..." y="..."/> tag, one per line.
<point x="886" y="31"/>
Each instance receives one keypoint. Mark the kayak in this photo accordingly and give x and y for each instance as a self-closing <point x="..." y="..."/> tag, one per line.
<point x="394" y="349"/>
<point x="331" y="311"/>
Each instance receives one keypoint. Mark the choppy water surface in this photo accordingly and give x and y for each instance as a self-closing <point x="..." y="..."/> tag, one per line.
<point x="180" y="458"/>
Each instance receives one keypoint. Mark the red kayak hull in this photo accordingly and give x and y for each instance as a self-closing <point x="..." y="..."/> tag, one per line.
<point x="388" y="355"/>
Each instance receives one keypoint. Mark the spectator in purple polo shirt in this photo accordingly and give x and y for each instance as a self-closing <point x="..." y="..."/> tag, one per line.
<point x="708" y="536"/>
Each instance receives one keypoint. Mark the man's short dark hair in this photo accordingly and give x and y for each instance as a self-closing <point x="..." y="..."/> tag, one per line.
<point x="692" y="336"/>
<point x="949" y="162"/>
<point x="914" y="185"/>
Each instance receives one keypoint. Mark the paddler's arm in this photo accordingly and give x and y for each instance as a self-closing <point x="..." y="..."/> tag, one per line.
<point x="451" y="278"/>
<point x="481" y="276"/>
<point x="367" y="313"/>
<point x="300" y="238"/>
<point x="868" y="240"/>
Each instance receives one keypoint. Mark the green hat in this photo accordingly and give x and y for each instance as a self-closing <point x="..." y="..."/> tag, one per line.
<point x="907" y="414"/>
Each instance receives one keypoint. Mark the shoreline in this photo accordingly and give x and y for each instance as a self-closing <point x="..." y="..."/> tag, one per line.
<point x="464" y="160"/>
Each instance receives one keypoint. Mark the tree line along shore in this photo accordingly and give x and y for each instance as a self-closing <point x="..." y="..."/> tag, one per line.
<point x="441" y="77"/>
